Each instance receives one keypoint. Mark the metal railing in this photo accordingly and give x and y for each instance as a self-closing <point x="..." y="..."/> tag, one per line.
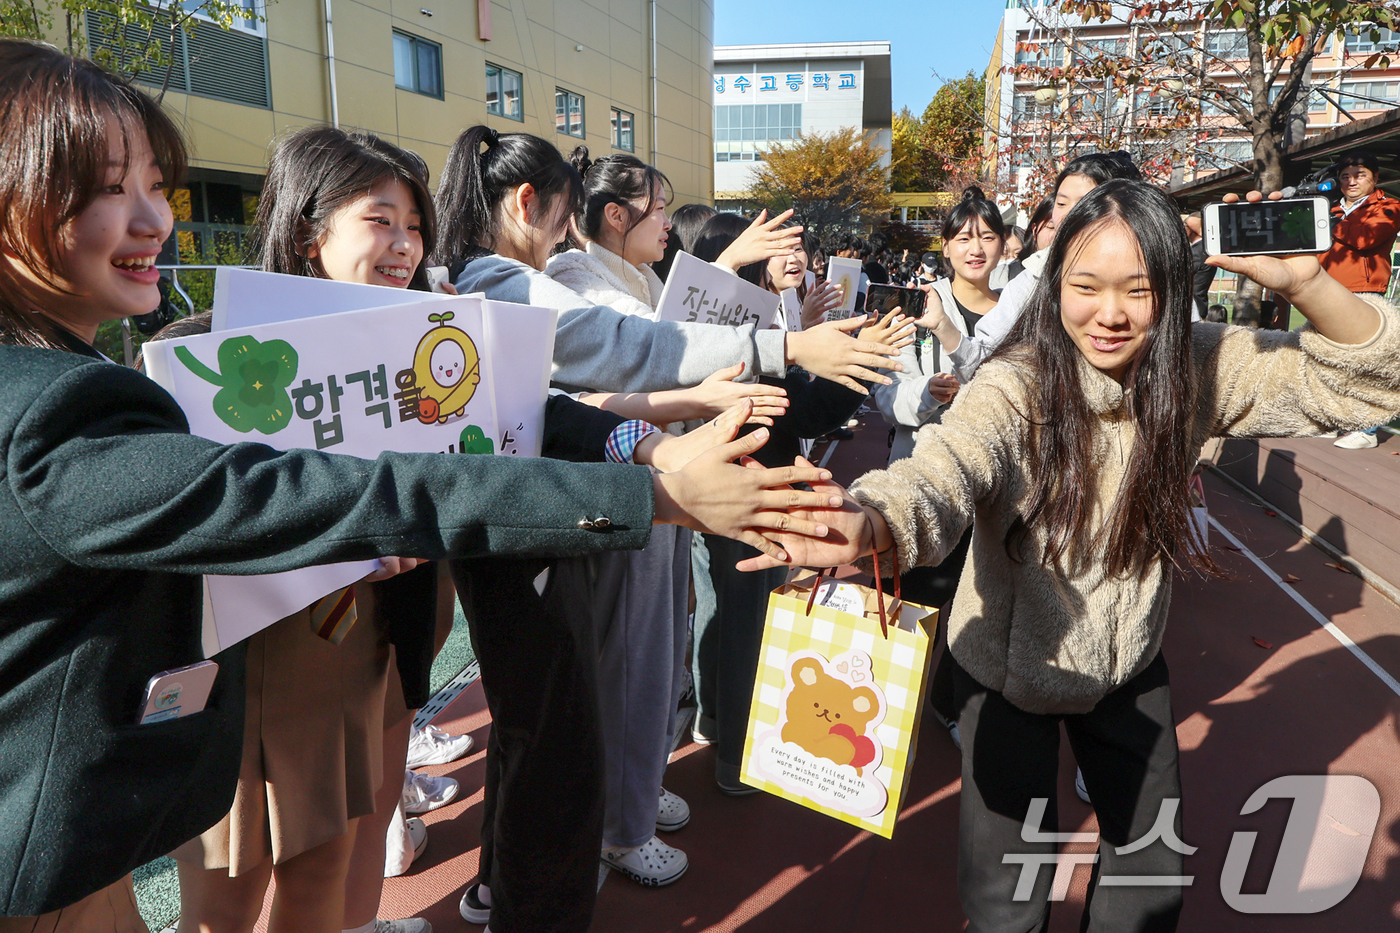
<point x="128" y="346"/>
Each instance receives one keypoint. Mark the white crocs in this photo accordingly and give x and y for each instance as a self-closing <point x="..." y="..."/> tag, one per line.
<point x="652" y="864"/>
<point x="672" y="814"/>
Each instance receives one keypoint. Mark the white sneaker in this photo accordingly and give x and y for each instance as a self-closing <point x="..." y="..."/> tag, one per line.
<point x="1079" y="787"/>
<point x="652" y="864"/>
<point x="424" y="792"/>
<point x="407" y="839"/>
<point x="431" y="746"/>
<point x="672" y="814"/>
<point x="409" y="925"/>
<point x="1356" y="440"/>
<point x="955" y="735"/>
<point x="1329" y="434"/>
<point x="475" y="906"/>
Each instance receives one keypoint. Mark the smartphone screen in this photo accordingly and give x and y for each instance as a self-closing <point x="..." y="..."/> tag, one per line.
<point x="1294" y="225"/>
<point x="882" y="299"/>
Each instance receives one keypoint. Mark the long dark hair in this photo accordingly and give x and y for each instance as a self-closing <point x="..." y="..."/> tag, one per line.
<point x="1101" y="167"/>
<point x="476" y="181"/>
<point x="721" y="230"/>
<point x="1040" y="218"/>
<point x="53" y="141"/>
<point x="973" y="204"/>
<point x="686" y="224"/>
<point x="1150" y="519"/>
<point x="614" y="179"/>
<point x="315" y="172"/>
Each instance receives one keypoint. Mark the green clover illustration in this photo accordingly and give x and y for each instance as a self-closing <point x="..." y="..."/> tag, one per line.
<point x="473" y="440"/>
<point x="253" y="378"/>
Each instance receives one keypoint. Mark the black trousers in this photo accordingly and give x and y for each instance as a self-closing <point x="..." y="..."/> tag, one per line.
<point x="542" y="817"/>
<point x="1126" y="747"/>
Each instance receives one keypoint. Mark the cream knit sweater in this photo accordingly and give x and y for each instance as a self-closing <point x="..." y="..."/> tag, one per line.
<point x="1053" y="639"/>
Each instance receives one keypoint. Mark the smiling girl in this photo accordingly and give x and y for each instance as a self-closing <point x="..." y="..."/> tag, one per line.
<point x="110" y="511"/>
<point x="1069" y="455"/>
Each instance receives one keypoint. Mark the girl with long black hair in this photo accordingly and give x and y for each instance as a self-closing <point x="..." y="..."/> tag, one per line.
<point x="1069" y="455"/>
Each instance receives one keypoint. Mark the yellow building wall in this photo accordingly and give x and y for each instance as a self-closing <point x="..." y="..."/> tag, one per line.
<point x="541" y="39"/>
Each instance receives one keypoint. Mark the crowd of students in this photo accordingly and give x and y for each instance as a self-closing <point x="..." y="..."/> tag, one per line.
<point x="1049" y="493"/>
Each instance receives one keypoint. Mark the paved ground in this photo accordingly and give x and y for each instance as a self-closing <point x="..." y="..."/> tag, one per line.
<point x="1261" y="690"/>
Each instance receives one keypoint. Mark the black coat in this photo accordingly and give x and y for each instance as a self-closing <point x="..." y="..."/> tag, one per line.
<point x="109" y="511"/>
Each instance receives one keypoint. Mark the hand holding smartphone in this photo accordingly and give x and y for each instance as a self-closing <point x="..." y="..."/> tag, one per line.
<point x="1282" y="227"/>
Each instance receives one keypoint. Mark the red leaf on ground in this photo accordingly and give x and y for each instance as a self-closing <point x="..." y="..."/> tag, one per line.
<point x="1342" y="567"/>
<point x="1270" y="513"/>
<point x="1289" y="578"/>
<point x="1262" y="644"/>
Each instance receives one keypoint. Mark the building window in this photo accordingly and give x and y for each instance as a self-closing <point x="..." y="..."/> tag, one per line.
<point x="1361" y="43"/>
<point x="1228" y="46"/>
<point x="622" y="137"/>
<point x="1041" y="54"/>
<point x="744" y="131"/>
<point x="568" y="112"/>
<point x="417" y="64"/>
<point x="1369" y="95"/>
<point x="503" y="92"/>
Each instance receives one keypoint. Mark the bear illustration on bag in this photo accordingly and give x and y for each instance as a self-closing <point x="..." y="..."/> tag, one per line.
<point x="829" y="717"/>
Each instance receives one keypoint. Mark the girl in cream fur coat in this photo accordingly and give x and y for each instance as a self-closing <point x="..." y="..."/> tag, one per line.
<point x="1069" y="455"/>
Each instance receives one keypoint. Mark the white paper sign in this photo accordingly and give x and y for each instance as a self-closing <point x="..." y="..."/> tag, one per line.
<point x="410" y="378"/>
<point x="698" y="292"/>
<point x="523" y="334"/>
<point x="792" y="310"/>
<point x="845" y="275"/>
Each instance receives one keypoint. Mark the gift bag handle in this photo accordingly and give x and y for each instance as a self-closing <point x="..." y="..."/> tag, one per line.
<point x="879" y="591"/>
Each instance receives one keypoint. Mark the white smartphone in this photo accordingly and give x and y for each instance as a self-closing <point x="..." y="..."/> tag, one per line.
<point x="436" y="276"/>
<point x="178" y="693"/>
<point x="1267" y="228"/>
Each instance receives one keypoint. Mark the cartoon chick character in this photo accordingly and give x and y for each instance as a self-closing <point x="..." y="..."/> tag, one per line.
<point x="447" y="370"/>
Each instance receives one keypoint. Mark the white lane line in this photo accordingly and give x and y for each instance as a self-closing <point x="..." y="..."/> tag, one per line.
<point x="831" y="449"/>
<point x="1312" y="610"/>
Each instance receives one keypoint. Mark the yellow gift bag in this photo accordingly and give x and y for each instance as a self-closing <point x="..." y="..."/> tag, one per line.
<point x="837" y="699"/>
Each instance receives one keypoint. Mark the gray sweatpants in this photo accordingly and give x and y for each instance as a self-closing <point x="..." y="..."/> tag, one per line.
<point x="642" y="597"/>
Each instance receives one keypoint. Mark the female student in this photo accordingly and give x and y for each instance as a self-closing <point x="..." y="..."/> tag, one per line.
<point x="973" y="238"/>
<point x="326" y="728"/>
<point x="643" y="597"/>
<point x="111" y="510"/>
<point x="730" y="606"/>
<point x="1069" y="455"/>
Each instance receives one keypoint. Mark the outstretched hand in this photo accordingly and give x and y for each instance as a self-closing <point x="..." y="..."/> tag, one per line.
<point x="711" y="494"/>
<point x="822" y="298"/>
<point x="719" y="392"/>
<point x="763" y="240"/>
<point x="893" y="330"/>
<point x="829" y="351"/>
<point x="848" y="533"/>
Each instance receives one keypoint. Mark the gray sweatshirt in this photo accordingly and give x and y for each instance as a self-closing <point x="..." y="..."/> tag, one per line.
<point x="600" y="349"/>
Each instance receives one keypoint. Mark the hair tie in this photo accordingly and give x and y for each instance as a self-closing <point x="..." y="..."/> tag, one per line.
<point x="493" y="138"/>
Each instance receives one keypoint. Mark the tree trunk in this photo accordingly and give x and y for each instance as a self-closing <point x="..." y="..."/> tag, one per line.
<point x="1268" y="176"/>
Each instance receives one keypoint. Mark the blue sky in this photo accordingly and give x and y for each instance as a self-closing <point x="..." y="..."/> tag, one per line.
<point x="925" y="36"/>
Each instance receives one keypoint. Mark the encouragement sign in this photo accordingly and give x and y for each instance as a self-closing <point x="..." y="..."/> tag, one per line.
<point x="698" y="292"/>
<point x="410" y="378"/>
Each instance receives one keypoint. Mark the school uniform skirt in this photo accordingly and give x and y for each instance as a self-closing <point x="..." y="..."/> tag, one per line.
<point x="313" y="741"/>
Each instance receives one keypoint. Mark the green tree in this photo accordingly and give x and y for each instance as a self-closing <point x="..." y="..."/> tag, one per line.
<point x="905" y="154"/>
<point x="950" y="133"/>
<point x="137" y="37"/>
<point x="832" y="180"/>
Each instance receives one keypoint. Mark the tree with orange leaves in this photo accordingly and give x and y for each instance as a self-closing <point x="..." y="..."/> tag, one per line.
<point x="833" y="181"/>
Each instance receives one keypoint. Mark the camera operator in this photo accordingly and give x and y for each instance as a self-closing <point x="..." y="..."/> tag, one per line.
<point x="1364" y="226"/>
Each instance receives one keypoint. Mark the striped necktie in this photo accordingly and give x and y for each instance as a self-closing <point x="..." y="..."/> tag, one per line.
<point x="333" y="615"/>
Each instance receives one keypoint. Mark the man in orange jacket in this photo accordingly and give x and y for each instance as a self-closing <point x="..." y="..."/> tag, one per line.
<point x="1364" y="226"/>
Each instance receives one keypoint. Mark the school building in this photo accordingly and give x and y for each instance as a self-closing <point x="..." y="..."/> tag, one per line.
<point x="764" y="95"/>
<point x="618" y="75"/>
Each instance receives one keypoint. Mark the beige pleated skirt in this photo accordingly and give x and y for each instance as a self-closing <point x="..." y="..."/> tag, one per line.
<point x="313" y="743"/>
